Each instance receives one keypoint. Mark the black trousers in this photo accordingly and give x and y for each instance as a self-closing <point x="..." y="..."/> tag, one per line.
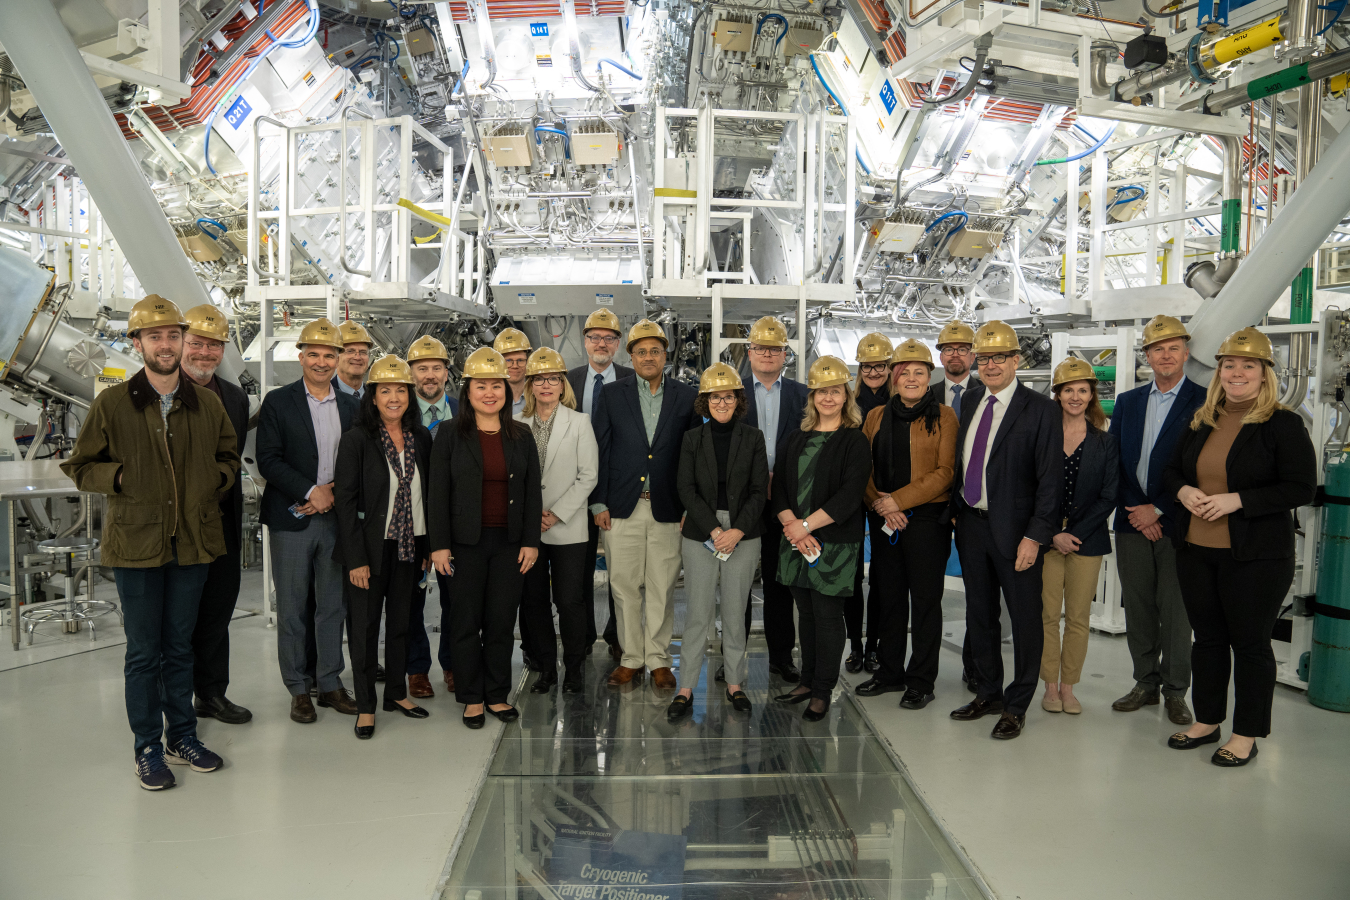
<point x="390" y="592"/>
<point x="588" y="589"/>
<point x="556" y="580"/>
<point x="909" y="581"/>
<point x="487" y="585"/>
<point x="822" y="621"/>
<point x="779" y="631"/>
<point x="211" y="636"/>
<point x="853" y="606"/>
<point x="985" y="571"/>
<point x="1232" y="606"/>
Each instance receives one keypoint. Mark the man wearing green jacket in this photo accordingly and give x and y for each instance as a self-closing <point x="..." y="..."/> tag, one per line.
<point x="164" y="453"/>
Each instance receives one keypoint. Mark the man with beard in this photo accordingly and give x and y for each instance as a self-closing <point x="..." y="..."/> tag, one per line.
<point x="163" y="452"/>
<point x="601" y="335"/>
<point x="298" y="430"/>
<point x="203" y="350"/>
<point x="354" y="359"/>
<point x="430" y="364"/>
<point x="514" y="346"/>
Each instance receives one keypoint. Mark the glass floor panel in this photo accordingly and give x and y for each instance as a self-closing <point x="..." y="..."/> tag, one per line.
<point x="597" y="797"/>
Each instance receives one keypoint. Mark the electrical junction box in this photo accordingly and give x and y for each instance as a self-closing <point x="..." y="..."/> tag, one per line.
<point x="801" y="41"/>
<point x="505" y="148"/>
<point x="567" y="284"/>
<point x="419" y="42"/>
<point x="967" y="244"/>
<point x="1147" y="50"/>
<point x="597" y="148"/>
<point x="734" y="37"/>
<point x="898" y="237"/>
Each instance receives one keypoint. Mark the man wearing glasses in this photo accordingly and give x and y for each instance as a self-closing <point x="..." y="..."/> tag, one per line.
<point x="353" y="360"/>
<point x="601" y="335"/>
<point x="775" y="406"/>
<point x="1006" y="496"/>
<point x="514" y="346"/>
<point x="203" y="350"/>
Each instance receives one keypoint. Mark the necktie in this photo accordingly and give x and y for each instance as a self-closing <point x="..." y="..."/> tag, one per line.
<point x="956" y="398"/>
<point x="974" y="487"/>
<point x="435" y="421"/>
<point x="595" y="394"/>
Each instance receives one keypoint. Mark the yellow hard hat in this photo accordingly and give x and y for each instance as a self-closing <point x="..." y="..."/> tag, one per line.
<point x="427" y="347"/>
<point x="1248" y="342"/>
<point x="1162" y="328"/>
<point x="511" y="340"/>
<point x="955" y="333"/>
<point x="208" y="322"/>
<point x="1073" y="369"/>
<point x="389" y="370"/>
<point x="996" y="337"/>
<point x="874" y="348"/>
<point x="912" y="351"/>
<point x="545" y="361"/>
<point x="602" y="318"/>
<point x="769" y="332"/>
<point x="485" y="363"/>
<point x="153" y="312"/>
<point x="646" y="328"/>
<point x="719" y="377"/>
<point x="321" y="332"/>
<point x="827" y="372"/>
<point x="353" y="333"/>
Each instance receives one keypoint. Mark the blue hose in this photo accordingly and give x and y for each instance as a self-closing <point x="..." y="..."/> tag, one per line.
<point x="213" y="222"/>
<point x="459" y="87"/>
<point x="858" y="154"/>
<point x="298" y="42"/>
<point x="1128" y="187"/>
<point x="567" y="141"/>
<point x="782" y="34"/>
<point x="1088" y="152"/>
<point x="624" y="69"/>
<point x="843" y="108"/>
<point x="947" y="215"/>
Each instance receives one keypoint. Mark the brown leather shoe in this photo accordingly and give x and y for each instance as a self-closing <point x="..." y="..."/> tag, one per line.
<point x="663" y="679"/>
<point x="1178" y="711"/>
<point x="340" y="701"/>
<point x="450" y="681"/>
<point x="623" y="675"/>
<point x="1136" y="699"/>
<point x="1008" y="726"/>
<point x="302" y="709"/>
<point x="419" y="686"/>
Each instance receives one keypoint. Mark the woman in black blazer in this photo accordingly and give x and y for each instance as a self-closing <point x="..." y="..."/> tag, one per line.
<point x="819" y="476"/>
<point x="724" y="470"/>
<point x="1240" y="470"/>
<point x="872" y="389"/>
<point x="485" y="515"/>
<point x="1074" y="562"/>
<point x="379" y="496"/>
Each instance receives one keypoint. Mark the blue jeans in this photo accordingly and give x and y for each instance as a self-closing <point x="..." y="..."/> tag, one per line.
<point x="419" y="645"/>
<point x="159" y="607"/>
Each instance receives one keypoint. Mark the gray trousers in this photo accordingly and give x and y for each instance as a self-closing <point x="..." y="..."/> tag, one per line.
<point x="298" y="557"/>
<point x="702" y="571"/>
<point x="1157" y="629"/>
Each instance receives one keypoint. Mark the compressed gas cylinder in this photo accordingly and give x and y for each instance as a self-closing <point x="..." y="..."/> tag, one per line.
<point x="1329" y="664"/>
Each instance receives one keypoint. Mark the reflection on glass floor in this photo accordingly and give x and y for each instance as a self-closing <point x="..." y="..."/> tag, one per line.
<point x="597" y="797"/>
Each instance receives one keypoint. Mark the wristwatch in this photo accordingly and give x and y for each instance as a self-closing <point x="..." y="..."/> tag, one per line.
<point x="806" y="525"/>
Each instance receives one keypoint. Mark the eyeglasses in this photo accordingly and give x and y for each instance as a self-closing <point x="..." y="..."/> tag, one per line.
<point x="199" y="346"/>
<point x="767" y="351"/>
<point x="722" y="401"/>
<point x="548" y="380"/>
<point x="873" y="368"/>
<point x="602" y="338"/>
<point x="650" y="353"/>
<point x="949" y="350"/>
<point x="363" y="354"/>
<point x="997" y="359"/>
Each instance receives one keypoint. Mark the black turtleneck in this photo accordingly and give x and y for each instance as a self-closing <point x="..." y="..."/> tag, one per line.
<point x="869" y="399"/>
<point x="721" y="435"/>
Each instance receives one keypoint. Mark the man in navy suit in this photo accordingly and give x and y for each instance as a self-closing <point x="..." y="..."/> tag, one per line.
<point x="1148" y="421"/>
<point x="776" y="404"/>
<point x="298" y="430"/>
<point x="639" y="426"/>
<point x="1006" y="497"/>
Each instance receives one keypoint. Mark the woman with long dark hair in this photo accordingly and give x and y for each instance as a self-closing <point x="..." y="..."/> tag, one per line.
<point x="379" y="497"/>
<point x="485" y="517"/>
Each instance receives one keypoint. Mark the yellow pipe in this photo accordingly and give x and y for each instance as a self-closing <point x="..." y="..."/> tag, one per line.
<point x="1249" y="40"/>
<point x="1337" y="84"/>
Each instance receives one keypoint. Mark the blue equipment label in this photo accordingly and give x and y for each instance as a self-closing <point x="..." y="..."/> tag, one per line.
<point x="538" y="29"/>
<point x="238" y="112"/>
<point x="888" y="97"/>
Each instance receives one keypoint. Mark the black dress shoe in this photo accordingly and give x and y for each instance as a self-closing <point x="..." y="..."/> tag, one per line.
<point x="222" y="710"/>
<point x="415" y="712"/>
<point x="574" y="681"/>
<point x="1227" y="759"/>
<point x="679" y="708"/>
<point x="854" y="663"/>
<point x="874" y="687"/>
<point x="739" y="701"/>
<point x="1180" y="741"/>
<point x="379" y="672"/>
<point x="1008" y="726"/>
<point x="544" y="683"/>
<point x="616" y="652"/>
<point x="364" y="732"/>
<point x="477" y="721"/>
<point x="870" y="662"/>
<point x="977" y="709"/>
<point x="510" y="714"/>
<point x="721" y="675"/>
<point x="811" y="715"/>
<point x="786" y="671"/>
<point x="915" y="700"/>
<point x="792" y="698"/>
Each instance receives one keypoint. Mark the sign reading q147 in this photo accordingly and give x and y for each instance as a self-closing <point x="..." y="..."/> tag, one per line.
<point x="610" y="864"/>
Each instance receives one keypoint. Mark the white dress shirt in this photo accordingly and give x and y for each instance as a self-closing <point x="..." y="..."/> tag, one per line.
<point x="1000" y="401"/>
<point x="419" y="519"/>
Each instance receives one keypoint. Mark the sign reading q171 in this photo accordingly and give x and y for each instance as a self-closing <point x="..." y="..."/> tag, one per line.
<point x="611" y="864"/>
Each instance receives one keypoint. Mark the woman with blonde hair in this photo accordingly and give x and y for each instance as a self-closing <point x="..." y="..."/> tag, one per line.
<point x="1239" y="472"/>
<point x="1071" y="566"/>
<point x="872" y="389"/>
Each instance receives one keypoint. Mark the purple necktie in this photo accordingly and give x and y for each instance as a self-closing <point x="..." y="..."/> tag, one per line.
<point x="974" y="486"/>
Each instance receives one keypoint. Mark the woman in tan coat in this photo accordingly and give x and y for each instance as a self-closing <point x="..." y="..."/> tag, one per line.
<point x="913" y="461"/>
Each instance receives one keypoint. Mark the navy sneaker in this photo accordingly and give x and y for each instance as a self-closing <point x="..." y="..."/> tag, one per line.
<point x="191" y="752"/>
<point x="154" y="775"/>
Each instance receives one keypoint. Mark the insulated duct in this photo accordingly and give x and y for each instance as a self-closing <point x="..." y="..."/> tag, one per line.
<point x="59" y="80"/>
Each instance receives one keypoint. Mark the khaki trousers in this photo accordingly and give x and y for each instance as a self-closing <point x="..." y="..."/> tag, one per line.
<point x="1068" y="583"/>
<point x="643" y="559"/>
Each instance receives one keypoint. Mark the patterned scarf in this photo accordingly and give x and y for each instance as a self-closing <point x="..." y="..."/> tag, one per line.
<point x="402" y="523"/>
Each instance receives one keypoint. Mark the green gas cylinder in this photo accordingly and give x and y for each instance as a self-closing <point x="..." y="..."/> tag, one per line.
<point x="1329" y="664"/>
